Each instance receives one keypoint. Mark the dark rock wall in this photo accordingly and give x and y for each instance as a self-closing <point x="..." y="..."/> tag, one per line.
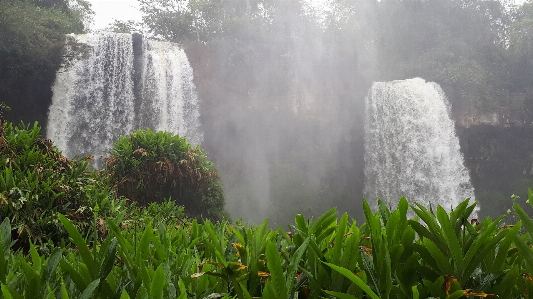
<point x="500" y="159"/>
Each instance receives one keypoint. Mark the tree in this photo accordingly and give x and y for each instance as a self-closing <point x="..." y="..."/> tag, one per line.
<point x="37" y="182"/>
<point x="32" y="38"/>
<point x="149" y="166"/>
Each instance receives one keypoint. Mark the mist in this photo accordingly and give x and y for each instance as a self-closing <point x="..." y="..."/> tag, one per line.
<point x="283" y="97"/>
<point x="282" y="86"/>
<point x="283" y="117"/>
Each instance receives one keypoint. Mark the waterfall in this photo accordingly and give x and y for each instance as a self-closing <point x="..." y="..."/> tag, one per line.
<point x="411" y="148"/>
<point x="112" y="89"/>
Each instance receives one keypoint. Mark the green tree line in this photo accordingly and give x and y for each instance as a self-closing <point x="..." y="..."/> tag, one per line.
<point x="32" y="36"/>
<point x="479" y="51"/>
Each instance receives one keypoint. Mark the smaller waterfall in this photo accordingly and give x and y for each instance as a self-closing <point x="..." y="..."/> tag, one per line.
<point x="411" y="148"/>
<point x="169" y="101"/>
<point x="114" y="89"/>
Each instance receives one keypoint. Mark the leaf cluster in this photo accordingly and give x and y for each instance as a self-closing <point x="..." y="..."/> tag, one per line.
<point x="37" y="182"/>
<point x="434" y="255"/>
<point x="149" y="166"/>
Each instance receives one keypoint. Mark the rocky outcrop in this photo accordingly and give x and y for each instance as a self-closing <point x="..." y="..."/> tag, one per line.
<point x="500" y="160"/>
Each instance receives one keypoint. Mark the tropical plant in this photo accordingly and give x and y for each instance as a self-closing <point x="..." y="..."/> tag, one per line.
<point x="32" y="40"/>
<point x="37" y="182"/>
<point x="389" y="256"/>
<point x="149" y="166"/>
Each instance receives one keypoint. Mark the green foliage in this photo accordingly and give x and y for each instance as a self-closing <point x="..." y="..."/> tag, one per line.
<point x="37" y="182"/>
<point x="149" y="166"/>
<point x="32" y="39"/>
<point x="323" y="258"/>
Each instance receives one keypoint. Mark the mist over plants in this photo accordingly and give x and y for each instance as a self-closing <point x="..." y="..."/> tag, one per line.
<point x="283" y="84"/>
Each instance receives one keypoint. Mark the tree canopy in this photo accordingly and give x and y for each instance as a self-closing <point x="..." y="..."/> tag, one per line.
<point x="32" y="36"/>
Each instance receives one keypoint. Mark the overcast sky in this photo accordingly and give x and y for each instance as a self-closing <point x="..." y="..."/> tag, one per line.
<point x="108" y="10"/>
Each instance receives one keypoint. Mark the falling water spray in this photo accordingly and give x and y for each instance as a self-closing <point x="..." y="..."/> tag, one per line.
<point x="110" y="90"/>
<point x="411" y="148"/>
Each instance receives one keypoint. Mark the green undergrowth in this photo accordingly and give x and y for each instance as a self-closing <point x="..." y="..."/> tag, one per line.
<point x="436" y="254"/>
<point x="152" y="177"/>
<point x="148" y="166"/>
<point x="65" y="233"/>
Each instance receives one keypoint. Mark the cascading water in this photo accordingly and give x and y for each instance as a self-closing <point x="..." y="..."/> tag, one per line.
<point x="112" y="90"/>
<point x="411" y="148"/>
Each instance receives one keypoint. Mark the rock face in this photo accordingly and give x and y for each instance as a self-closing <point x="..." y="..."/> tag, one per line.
<point x="117" y="84"/>
<point x="502" y="118"/>
<point x="500" y="160"/>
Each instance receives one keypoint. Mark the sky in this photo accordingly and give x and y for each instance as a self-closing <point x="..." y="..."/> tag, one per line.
<point x="108" y="10"/>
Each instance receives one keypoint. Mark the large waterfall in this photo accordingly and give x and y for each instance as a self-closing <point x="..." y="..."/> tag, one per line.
<point x="117" y="84"/>
<point x="411" y="148"/>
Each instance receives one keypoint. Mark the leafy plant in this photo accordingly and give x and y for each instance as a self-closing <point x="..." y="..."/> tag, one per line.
<point x="37" y="182"/>
<point x="149" y="166"/>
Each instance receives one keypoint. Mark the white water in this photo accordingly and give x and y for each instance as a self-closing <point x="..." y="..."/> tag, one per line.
<point x="169" y="101"/>
<point x="411" y="148"/>
<point x="94" y="100"/>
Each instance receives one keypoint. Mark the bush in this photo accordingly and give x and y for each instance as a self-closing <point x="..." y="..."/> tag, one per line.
<point x="149" y="166"/>
<point x="37" y="182"/>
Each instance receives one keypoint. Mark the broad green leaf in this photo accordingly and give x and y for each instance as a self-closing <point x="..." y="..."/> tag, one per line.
<point x="324" y="221"/>
<point x="442" y="261"/>
<point x="301" y="225"/>
<point x="245" y="292"/>
<point x="527" y="222"/>
<point x="64" y="293"/>
<point x="348" y="274"/>
<point x="422" y="231"/>
<point x="124" y="295"/>
<point x="293" y="266"/>
<point x="11" y="293"/>
<point x="340" y="295"/>
<point x="451" y="239"/>
<point x="74" y="275"/>
<point x="525" y="251"/>
<point x="144" y="245"/>
<point x="6" y="292"/>
<point x="416" y="294"/>
<point x="383" y="211"/>
<point x="3" y="264"/>
<point x="432" y="225"/>
<point x="35" y="259"/>
<point x="504" y="246"/>
<point x="456" y="295"/>
<point x="108" y="259"/>
<point x="158" y="282"/>
<point x="89" y="291"/>
<point x="336" y="251"/>
<point x="183" y="290"/>
<point x="503" y="289"/>
<point x="5" y="236"/>
<point x="277" y="279"/>
<point x="81" y="245"/>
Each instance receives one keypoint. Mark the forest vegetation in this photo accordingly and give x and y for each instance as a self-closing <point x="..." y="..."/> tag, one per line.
<point x="120" y="250"/>
<point x="264" y="63"/>
<point x="68" y="233"/>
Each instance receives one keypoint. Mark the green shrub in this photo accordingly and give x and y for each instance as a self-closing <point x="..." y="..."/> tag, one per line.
<point x="37" y="182"/>
<point x="434" y="255"/>
<point x="149" y="166"/>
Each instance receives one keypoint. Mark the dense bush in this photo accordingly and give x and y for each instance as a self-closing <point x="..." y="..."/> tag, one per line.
<point x="149" y="166"/>
<point x="37" y="182"/>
